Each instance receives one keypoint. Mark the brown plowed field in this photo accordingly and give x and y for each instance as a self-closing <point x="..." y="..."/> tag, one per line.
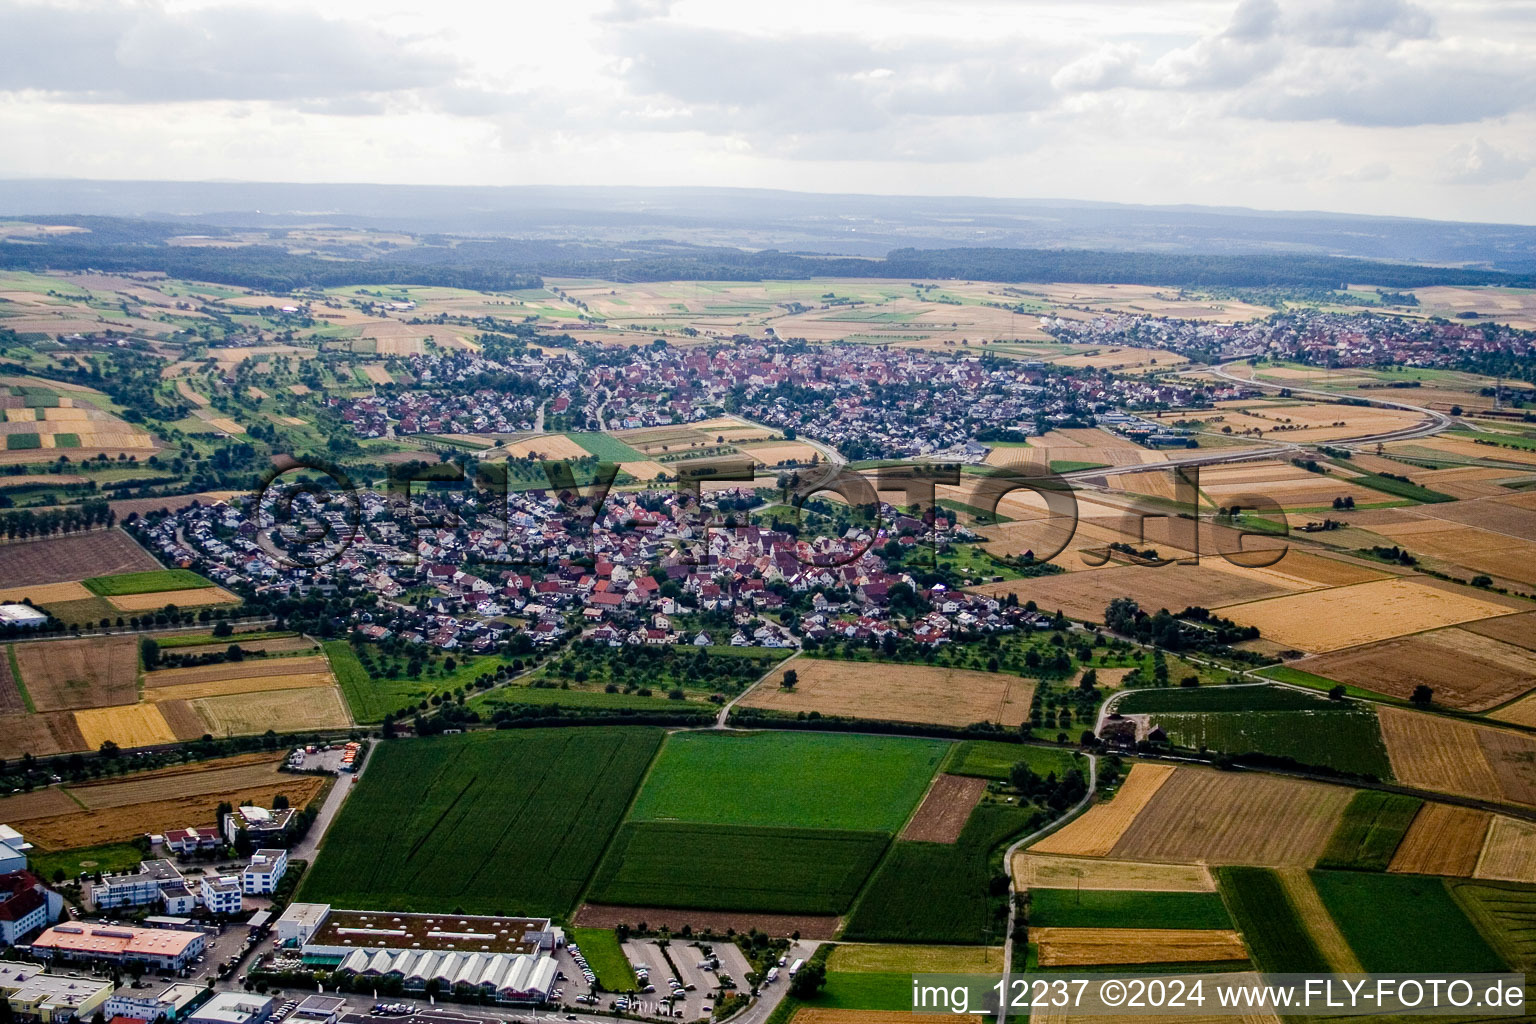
<point x="1099" y="829"/>
<point x="902" y="693"/>
<point x="76" y="557"/>
<point x="944" y="811"/>
<point x="121" y="824"/>
<point x="1217" y="817"/>
<point x="1064" y="947"/>
<point x="186" y="723"/>
<point x="1465" y="669"/>
<point x="1032" y="870"/>
<point x="810" y="926"/>
<point x="235" y="670"/>
<point x="40" y="803"/>
<point x="53" y="732"/>
<point x="1443" y="840"/>
<point x="221" y="776"/>
<point x="1512" y="756"/>
<point x="1519" y="630"/>
<point x="1509" y="852"/>
<point x="86" y="673"/>
<point x="1437" y="754"/>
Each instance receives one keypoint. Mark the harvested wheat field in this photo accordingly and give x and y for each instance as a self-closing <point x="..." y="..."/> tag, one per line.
<point x="1213" y="817"/>
<point x="75" y="557"/>
<point x="944" y="811"/>
<point x="246" y="684"/>
<point x="1443" y="840"/>
<point x="546" y="446"/>
<point x="900" y="693"/>
<point x="53" y="732"/>
<point x="866" y="957"/>
<point x="1519" y="630"/>
<point x="1521" y="712"/>
<point x="1033" y="870"/>
<point x="774" y="454"/>
<point x="136" y="725"/>
<point x="1330" y="620"/>
<point x="1465" y="669"/>
<point x="826" y="1015"/>
<point x="1509" y="854"/>
<point x="230" y="670"/>
<point x="128" y="822"/>
<point x="65" y="675"/>
<point x="244" y="714"/>
<point x="1097" y="831"/>
<point x="44" y="594"/>
<point x="643" y="470"/>
<point x="196" y="597"/>
<point x="1084" y="595"/>
<point x="1437" y="754"/>
<point x="1066" y="947"/>
<point x="40" y="803"/>
<point x="1512" y="756"/>
<point x="224" y="775"/>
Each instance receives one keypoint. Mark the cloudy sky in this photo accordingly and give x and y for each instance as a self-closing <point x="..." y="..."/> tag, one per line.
<point x="1370" y="106"/>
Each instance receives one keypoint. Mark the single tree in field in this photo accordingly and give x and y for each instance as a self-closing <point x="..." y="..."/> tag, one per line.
<point x="1423" y="695"/>
<point x="150" y="652"/>
<point x="791" y="677"/>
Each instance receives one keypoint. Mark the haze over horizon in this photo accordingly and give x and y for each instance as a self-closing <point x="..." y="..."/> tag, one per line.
<point x="1386" y="107"/>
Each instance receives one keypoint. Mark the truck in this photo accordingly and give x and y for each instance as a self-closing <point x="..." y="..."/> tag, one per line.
<point x="794" y="968"/>
<point x="773" y="975"/>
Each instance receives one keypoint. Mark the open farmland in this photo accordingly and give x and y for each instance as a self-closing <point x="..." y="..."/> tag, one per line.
<point x="45" y="594"/>
<point x="1269" y="919"/>
<point x="854" y="957"/>
<point x="440" y="823"/>
<point x="1328" y="620"/>
<point x="902" y="693"/>
<point x="1069" y="908"/>
<point x="1443" y="840"/>
<point x="942" y="815"/>
<point x="11" y="700"/>
<point x="1223" y="818"/>
<point x="1068" y="947"/>
<point x="76" y="557"/>
<point x="1506" y="916"/>
<point x="39" y="735"/>
<point x="1099" y="829"/>
<point x="1448" y="756"/>
<point x="713" y="867"/>
<point x="153" y="581"/>
<point x="992" y="759"/>
<point x="86" y="673"/>
<point x="233" y="671"/>
<point x="606" y="915"/>
<point x="1403" y="923"/>
<point x="289" y="710"/>
<point x="1314" y="917"/>
<point x="789" y="780"/>
<point x="1084" y="595"/>
<point x="1509" y="852"/>
<point x="1373" y="826"/>
<point x="155" y="600"/>
<point x="1346" y="741"/>
<point x="1466" y="670"/>
<point x="1033" y="870"/>
<point x="129" y="725"/>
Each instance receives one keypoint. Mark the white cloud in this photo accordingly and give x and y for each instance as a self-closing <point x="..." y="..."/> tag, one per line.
<point x="1480" y="163"/>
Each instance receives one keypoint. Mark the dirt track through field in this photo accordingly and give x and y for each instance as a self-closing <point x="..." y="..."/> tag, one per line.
<point x="944" y="811"/>
<point x="1318" y="922"/>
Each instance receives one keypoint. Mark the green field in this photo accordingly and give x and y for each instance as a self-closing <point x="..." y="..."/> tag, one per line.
<point x="1505" y="913"/>
<point x="1223" y="698"/>
<point x="1347" y="742"/>
<point x="1400" y="489"/>
<point x="151" y="582"/>
<point x="22" y="442"/>
<point x="607" y="447"/>
<point x="1370" y="831"/>
<point x="865" y="990"/>
<point x="490" y="822"/>
<point x="90" y="859"/>
<point x="990" y="759"/>
<point x="1096" y="908"/>
<point x="606" y="958"/>
<point x="1403" y="923"/>
<point x="789" y="780"/>
<point x="716" y="867"/>
<point x="938" y="892"/>
<point x="1268" y="920"/>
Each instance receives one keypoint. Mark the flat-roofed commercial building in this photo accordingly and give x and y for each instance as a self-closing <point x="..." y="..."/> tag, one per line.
<point x="50" y="998"/>
<point x="171" y="1003"/>
<point x="233" y="1008"/>
<point x="162" y="948"/>
<point x="261" y="875"/>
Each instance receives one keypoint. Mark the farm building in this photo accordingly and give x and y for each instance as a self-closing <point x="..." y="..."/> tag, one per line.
<point x="26" y="906"/>
<point x="23" y="615"/>
<point x="161" y="948"/>
<point x="49" y="998"/>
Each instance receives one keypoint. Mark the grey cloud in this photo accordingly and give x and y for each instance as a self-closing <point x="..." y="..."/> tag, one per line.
<point x="1399" y="93"/>
<point x="1351" y="22"/>
<point x="117" y="54"/>
<point x="1254" y="20"/>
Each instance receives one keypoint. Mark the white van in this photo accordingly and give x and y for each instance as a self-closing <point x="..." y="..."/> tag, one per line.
<point x="773" y="975"/>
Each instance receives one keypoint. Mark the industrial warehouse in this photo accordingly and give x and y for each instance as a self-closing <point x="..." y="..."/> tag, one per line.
<point x="505" y="958"/>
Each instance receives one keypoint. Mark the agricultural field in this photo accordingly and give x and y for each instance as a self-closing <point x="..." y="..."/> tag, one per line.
<point x="1466" y="670"/>
<point x="991" y="759"/>
<point x="910" y="959"/>
<point x="440" y="823"/>
<point x="75" y="557"/>
<point x="153" y="581"/>
<point x="1403" y="923"/>
<point x="61" y="675"/>
<point x="1270" y="921"/>
<point x="1072" y="947"/>
<point x="1033" y="870"/>
<point x="1505" y="914"/>
<point x="1068" y="908"/>
<point x="789" y="780"/>
<point x="1509" y="852"/>
<point x="942" y="815"/>
<point x="1368" y="836"/>
<point x="902" y="693"/>
<point x="1100" y="828"/>
<point x="39" y="417"/>
<point x="1180" y="699"/>
<point x="1443" y="840"/>
<point x="714" y="867"/>
<point x="1449" y="756"/>
<point x="1345" y="741"/>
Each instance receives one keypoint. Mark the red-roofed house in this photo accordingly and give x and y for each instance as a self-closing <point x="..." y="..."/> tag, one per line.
<point x="26" y="906"/>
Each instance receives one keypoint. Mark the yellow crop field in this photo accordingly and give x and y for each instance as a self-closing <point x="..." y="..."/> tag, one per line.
<point x="229" y="670"/>
<point x="1066" y="947"/>
<point x="246" y="684"/>
<point x="1443" y="840"/>
<point x="45" y="593"/>
<point x="1509" y="853"/>
<point x="131" y="725"/>
<point x="546" y="446"/>
<point x="1437" y="753"/>
<point x="863" y="957"/>
<point x="317" y="707"/>
<point x="1096" y="832"/>
<point x="902" y="693"/>
<point x="194" y="598"/>
<point x="1034" y="870"/>
<point x="1214" y="817"/>
<point x="773" y="454"/>
<point x="1329" y="620"/>
<point x="1318" y="922"/>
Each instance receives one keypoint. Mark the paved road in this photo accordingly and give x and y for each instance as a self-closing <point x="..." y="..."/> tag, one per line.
<point x="307" y="849"/>
<point x="1434" y="421"/>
